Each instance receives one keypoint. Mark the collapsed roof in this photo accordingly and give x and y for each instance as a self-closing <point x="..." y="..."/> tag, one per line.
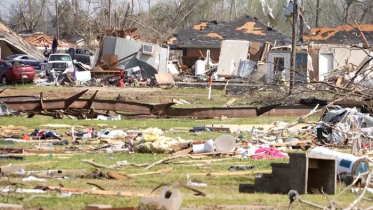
<point x="212" y="33"/>
<point x="344" y="34"/>
<point x="43" y="40"/>
<point x="11" y="43"/>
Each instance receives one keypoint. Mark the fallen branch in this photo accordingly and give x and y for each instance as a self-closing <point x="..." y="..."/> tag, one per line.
<point x="348" y="187"/>
<point x="312" y="204"/>
<point x="96" y="185"/>
<point x="164" y="160"/>
<point x="119" y="164"/>
<point x="97" y="164"/>
<point x="361" y="196"/>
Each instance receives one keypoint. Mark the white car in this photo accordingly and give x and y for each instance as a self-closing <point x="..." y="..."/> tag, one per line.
<point x="61" y="63"/>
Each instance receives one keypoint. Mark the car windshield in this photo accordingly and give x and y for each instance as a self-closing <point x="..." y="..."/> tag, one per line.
<point x="59" y="58"/>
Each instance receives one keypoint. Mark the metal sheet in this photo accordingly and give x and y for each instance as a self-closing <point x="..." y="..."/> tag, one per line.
<point x="239" y="112"/>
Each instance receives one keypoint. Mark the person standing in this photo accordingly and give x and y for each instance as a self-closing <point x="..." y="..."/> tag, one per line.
<point x="54" y="45"/>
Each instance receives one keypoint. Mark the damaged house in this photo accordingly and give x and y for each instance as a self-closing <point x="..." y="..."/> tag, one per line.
<point x="209" y="36"/>
<point x="130" y="52"/>
<point x="339" y="47"/>
<point x="239" y="46"/>
<point x="11" y="43"/>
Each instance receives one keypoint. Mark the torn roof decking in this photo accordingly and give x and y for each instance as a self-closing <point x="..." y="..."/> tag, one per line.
<point x="344" y="34"/>
<point x="42" y="40"/>
<point x="210" y="34"/>
<point x="16" y="42"/>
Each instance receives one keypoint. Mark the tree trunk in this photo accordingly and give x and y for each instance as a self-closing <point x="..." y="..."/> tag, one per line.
<point x="109" y="18"/>
<point x="317" y="13"/>
<point x="31" y="16"/>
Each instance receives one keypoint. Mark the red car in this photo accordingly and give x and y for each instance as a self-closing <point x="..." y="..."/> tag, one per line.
<point x="15" y="71"/>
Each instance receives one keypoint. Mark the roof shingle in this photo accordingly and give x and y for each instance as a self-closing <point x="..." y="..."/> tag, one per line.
<point x="213" y="32"/>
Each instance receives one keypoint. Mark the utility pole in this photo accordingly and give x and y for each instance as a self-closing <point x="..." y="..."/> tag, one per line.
<point x="293" y="46"/>
<point x="109" y="24"/>
<point x="57" y="22"/>
<point x="301" y="24"/>
<point x="317" y="13"/>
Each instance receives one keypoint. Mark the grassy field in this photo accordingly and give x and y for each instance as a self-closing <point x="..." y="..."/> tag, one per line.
<point x="220" y="190"/>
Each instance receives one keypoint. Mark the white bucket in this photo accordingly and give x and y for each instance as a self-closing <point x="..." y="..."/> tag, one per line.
<point x="225" y="143"/>
<point x="207" y="147"/>
<point x="345" y="162"/>
<point x="199" y="67"/>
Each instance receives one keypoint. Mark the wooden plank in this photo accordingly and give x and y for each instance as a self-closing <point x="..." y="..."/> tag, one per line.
<point x="37" y="151"/>
<point x="116" y="175"/>
<point x="151" y="173"/>
<point x="231" y="173"/>
<point x="103" y="192"/>
<point x="37" y="163"/>
<point x="111" y="60"/>
<point x="183" y="152"/>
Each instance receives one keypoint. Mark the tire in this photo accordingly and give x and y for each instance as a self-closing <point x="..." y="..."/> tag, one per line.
<point x="4" y="81"/>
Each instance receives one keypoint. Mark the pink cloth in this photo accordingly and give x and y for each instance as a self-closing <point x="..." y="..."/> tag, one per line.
<point x="267" y="152"/>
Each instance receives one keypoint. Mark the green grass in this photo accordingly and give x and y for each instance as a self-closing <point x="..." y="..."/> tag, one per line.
<point x="221" y="190"/>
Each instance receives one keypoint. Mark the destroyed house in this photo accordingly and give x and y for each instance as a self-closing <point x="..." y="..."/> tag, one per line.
<point x="11" y="43"/>
<point x="333" y="48"/>
<point x="199" y="38"/>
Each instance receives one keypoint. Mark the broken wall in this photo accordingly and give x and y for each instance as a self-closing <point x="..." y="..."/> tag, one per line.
<point x="341" y="54"/>
<point x="191" y="55"/>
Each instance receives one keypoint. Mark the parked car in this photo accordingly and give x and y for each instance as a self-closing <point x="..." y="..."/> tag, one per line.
<point x="26" y="59"/>
<point x="15" y="71"/>
<point x="80" y="55"/>
<point x="59" y="63"/>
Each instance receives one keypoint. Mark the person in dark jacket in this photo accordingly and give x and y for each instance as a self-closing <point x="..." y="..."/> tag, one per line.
<point x="54" y="45"/>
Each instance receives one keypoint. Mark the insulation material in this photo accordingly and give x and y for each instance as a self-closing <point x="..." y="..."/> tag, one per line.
<point x="164" y="79"/>
<point x="267" y="11"/>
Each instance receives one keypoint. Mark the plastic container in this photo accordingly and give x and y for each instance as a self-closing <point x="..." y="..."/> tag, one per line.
<point x="199" y="67"/>
<point x="345" y="162"/>
<point x="225" y="143"/>
<point x="207" y="147"/>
